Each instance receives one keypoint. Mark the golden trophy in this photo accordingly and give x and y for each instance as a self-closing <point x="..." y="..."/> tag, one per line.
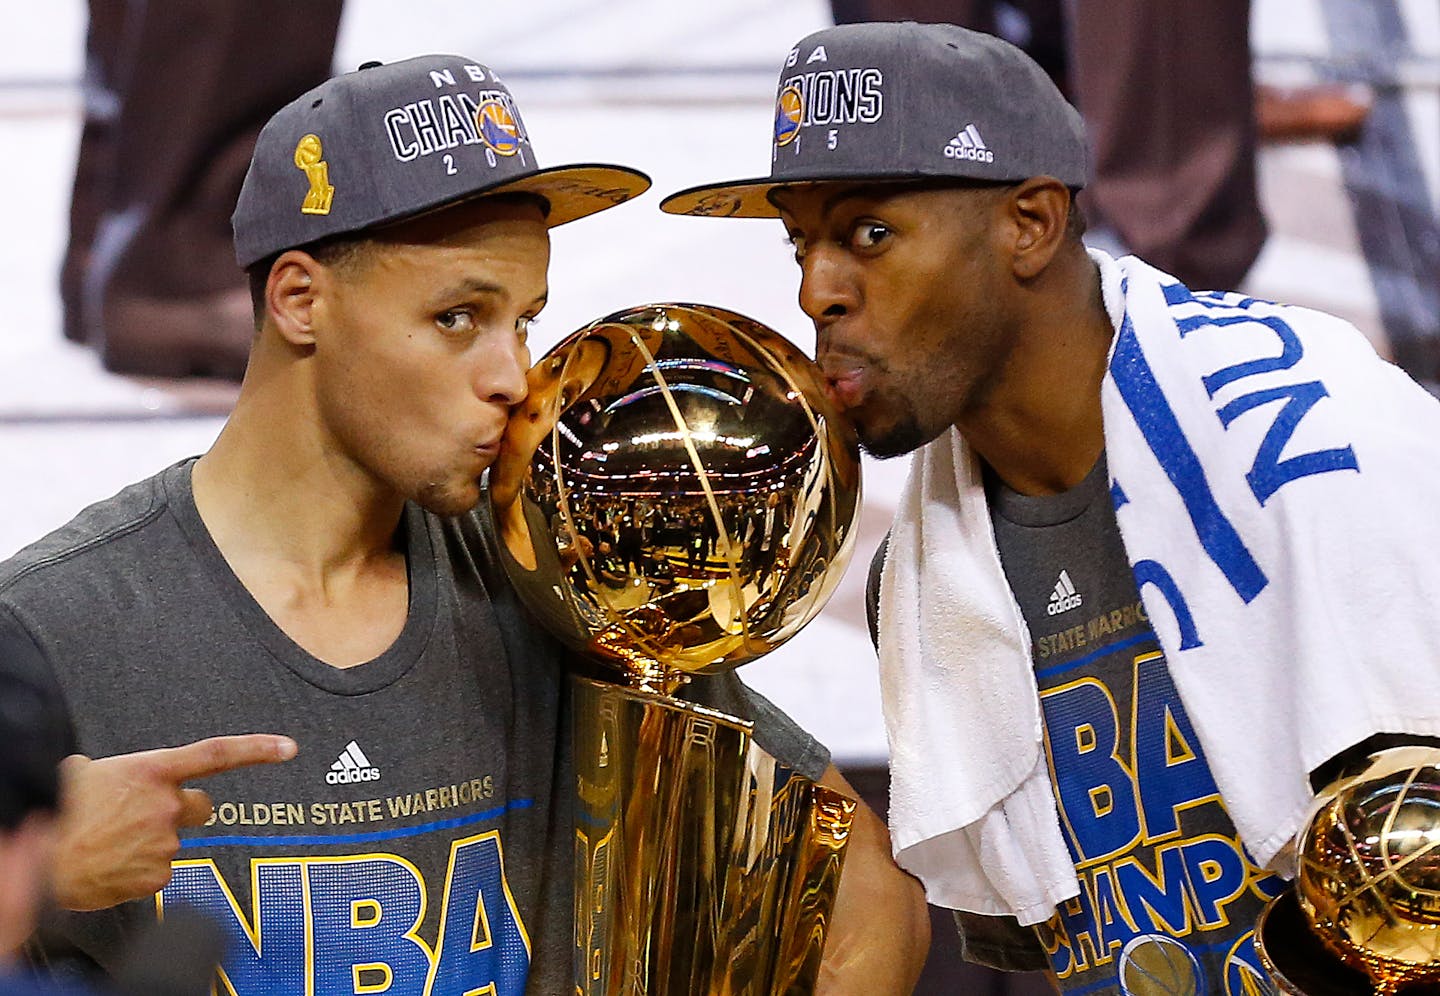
<point x="677" y="497"/>
<point x="1364" y="914"/>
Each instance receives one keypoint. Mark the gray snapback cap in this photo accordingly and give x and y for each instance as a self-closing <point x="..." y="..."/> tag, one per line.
<point x="905" y="101"/>
<point x="391" y="142"/>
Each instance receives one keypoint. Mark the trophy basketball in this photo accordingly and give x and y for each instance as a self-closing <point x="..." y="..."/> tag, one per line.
<point x="1364" y="914"/>
<point x="677" y="497"/>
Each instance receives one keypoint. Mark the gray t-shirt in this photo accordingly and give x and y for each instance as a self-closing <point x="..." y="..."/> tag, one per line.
<point x="1168" y="895"/>
<point x="422" y="841"/>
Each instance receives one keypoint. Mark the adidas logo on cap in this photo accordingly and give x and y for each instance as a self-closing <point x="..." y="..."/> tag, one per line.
<point x="969" y="145"/>
<point x="1064" y="597"/>
<point x="352" y="766"/>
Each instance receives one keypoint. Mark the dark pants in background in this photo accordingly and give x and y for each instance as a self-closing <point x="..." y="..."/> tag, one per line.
<point x="175" y="94"/>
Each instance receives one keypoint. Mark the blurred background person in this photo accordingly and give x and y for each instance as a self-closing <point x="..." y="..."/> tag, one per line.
<point x="174" y="95"/>
<point x="34" y="736"/>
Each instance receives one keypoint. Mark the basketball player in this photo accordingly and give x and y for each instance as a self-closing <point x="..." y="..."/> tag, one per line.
<point x="1162" y="557"/>
<point x="323" y="572"/>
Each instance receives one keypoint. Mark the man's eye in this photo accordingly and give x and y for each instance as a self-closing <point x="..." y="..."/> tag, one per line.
<point x="796" y="242"/>
<point x="869" y="234"/>
<point x="456" y="321"/>
<point x="524" y="324"/>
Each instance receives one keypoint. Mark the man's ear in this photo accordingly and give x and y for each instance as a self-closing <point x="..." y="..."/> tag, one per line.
<point x="1039" y="209"/>
<point x="290" y="295"/>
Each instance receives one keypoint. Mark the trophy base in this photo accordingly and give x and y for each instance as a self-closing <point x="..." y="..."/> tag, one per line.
<point x="1300" y="963"/>
<point x="703" y="865"/>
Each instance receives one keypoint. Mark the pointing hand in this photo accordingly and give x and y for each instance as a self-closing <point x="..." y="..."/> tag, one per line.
<point x="120" y="816"/>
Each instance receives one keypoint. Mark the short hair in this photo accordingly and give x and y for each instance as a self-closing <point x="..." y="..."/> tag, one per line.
<point x="34" y="727"/>
<point x="339" y="251"/>
<point x="1075" y="223"/>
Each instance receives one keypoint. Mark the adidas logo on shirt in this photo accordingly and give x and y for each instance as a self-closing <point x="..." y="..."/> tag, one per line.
<point x="353" y="766"/>
<point x="1064" y="597"/>
<point x="969" y="145"/>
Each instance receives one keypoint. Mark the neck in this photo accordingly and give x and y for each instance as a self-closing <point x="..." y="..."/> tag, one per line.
<point x="1041" y="430"/>
<point x="275" y="489"/>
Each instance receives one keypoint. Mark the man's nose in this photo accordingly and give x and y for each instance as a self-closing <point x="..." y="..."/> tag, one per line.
<point x="827" y="288"/>
<point x="502" y="380"/>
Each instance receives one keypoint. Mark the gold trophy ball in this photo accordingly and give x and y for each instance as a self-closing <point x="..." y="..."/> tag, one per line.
<point x="676" y="495"/>
<point x="1369" y="871"/>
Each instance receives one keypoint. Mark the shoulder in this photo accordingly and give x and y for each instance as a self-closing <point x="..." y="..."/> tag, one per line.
<point x="103" y="567"/>
<point x="1193" y="309"/>
<point x="465" y="545"/>
<point x="469" y="557"/>
<point x="775" y="731"/>
<point x="78" y="546"/>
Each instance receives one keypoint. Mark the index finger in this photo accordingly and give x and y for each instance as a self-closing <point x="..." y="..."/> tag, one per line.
<point x="214" y="755"/>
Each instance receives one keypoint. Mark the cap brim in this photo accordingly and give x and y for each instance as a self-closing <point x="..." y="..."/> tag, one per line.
<point x="578" y="190"/>
<point x="738" y="199"/>
<point x="751" y="198"/>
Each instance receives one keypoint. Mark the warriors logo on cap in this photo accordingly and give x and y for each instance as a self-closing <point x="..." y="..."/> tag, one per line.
<point x="789" y="113"/>
<point x="498" y="128"/>
<point x="883" y="99"/>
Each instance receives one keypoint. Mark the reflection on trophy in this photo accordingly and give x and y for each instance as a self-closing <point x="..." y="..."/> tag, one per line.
<point x="1367" y="889"/>
<point x="678" y="497"/>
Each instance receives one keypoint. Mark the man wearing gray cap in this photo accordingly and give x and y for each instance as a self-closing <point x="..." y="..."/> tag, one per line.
<point x="327" y="571"/>
<point x="1157" y="561"/>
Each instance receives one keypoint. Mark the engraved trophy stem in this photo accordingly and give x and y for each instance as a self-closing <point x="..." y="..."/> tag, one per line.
<point x="703" y="865"/>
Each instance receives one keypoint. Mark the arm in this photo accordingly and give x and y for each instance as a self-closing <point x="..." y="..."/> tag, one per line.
<point x="880" y="933"/>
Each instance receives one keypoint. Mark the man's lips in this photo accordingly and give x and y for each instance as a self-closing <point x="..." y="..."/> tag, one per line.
<point x="845" y="384"/>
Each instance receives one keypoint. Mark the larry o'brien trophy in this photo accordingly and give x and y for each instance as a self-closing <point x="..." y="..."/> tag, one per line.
<point x="677" y="497"/>
<point x="1364" y="914"/>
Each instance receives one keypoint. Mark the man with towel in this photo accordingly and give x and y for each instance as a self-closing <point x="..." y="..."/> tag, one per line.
<point x="1163" y="555"/>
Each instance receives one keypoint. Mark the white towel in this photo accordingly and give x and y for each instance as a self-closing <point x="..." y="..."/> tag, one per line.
<point x="1284" y="539"/>
<point x="955" y="673"/>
